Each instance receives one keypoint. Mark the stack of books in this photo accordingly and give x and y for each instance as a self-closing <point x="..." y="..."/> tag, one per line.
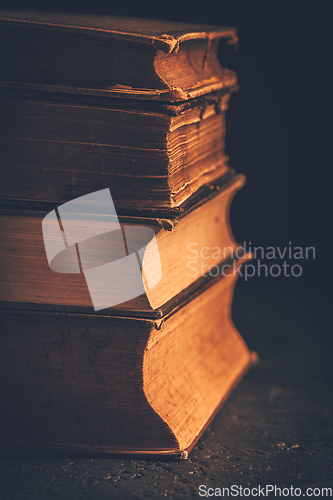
<point x="116" y="247"/>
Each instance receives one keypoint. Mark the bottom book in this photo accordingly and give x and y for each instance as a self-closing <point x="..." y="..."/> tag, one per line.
<point x="112" y="384"/>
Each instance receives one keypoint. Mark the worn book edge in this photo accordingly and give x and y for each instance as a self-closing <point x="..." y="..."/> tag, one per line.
<point x="110" y="99"/>
<point x="150" y="313"/>
<point x="174" y="453"/>
<point x="174" y="94"/>
<point x="156" y="316"/>
<point x="167" y="218"/>
<point x="165" y="35"/>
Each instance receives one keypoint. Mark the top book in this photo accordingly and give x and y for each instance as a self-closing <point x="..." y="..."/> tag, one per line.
<point x="103" y="55"/>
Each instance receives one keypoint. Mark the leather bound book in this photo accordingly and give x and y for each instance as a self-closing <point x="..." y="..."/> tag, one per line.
<point x="155" y="156"/>
<point x="113" y="384"/>
<point x="187" y="249"/>
<point x="117" y="56"/>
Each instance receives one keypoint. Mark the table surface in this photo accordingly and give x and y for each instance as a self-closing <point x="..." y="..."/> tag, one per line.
<point x="275" y="429"/>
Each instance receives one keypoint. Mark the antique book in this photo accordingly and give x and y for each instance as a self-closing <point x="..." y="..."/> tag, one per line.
<point x="179" y="254"/>
<point x="114" y="384"/>
<point x="116" y="329"/>
<point x="103" y="55"/>
<point x="148" y="156"/>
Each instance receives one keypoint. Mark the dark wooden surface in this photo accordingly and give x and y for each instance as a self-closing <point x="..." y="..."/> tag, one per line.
<point x="275" y="429"/>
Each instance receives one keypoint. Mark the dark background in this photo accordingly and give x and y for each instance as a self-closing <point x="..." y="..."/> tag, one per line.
<point x="276" y="428"/>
